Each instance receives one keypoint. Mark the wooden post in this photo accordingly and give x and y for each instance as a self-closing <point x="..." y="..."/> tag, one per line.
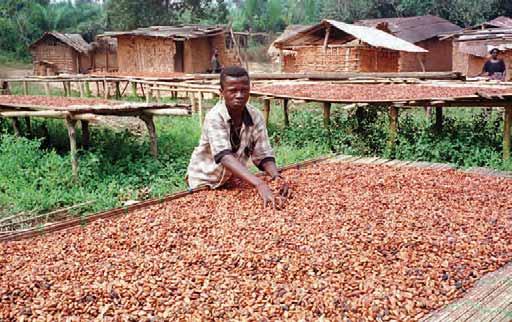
<point x="200" y="108"/>
<point x="85" y="134"/>
<point x="68" y="84"/>
<point x="439" y="119"/>
<point x="16" y="126"/>
<point x="158" y="93"/>
<point x="506" y="132"/>
<point x="81" y="89"/>
<point x="97" y="89"/>
<point x="46" y="133"/>
<point x="285" y="111"/>
<point x="29" y="125"/>
<point x="65" y="89"/>
<point x="149" y="93"/>
<point x="88" y="89"/>
<point x="393" y="129"/>
<point x="118" y="91"/>
<point x="193" y="103"/>
<point x="327" y="115"/>
<point x="326" y="39"/>
<point x="25" y="88"/>
<point x="266" y="110"/>
<point x="134" y="89"/>
<point x="71" y="125"/>
<point x="47" y="88"/>
<point x="150" y="124"/>
<point x="106" y="91"/>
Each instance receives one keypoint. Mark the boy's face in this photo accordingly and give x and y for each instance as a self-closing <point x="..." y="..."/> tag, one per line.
<point x="236" y="91"/>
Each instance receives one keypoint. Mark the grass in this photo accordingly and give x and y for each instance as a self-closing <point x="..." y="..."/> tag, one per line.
<point x="35" y="173"/>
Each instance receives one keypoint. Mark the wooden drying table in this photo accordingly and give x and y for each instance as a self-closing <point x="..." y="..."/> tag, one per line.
<point x="454" y="94"/>
<point x="86" y="111"/>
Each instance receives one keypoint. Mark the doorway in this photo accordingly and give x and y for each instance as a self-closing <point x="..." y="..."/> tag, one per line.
<point x="178" y="57"/>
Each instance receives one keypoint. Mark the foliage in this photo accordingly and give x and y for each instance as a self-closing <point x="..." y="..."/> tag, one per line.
<point x="23" y="22"/>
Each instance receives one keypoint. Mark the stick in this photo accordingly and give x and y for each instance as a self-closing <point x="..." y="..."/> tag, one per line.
<point x="71" y="125"/>
<point x="85" y="134"/>
<point x="148" y="119"/>
<point x="266" y="110"/>
<point x="506" y="132"/>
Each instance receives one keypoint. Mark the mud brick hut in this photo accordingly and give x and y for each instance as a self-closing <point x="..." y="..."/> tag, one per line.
<point x="164" y="49"/>
<point x="56" y="53"/>
<point x="104" y="55"/>
<point x="425" y="32"/>
<point x="471" y="49"/>
<point x="333" y="46"/>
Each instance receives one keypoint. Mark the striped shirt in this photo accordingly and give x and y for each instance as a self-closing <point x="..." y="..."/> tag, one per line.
<point x="218" y="139"/>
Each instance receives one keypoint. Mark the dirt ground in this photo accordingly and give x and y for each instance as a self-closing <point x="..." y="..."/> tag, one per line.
<point x="15" y="71"/>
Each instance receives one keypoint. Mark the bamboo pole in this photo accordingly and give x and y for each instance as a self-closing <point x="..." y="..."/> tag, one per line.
<point x="266" y="110"/>
<point x="285" y="110"/>
<point x="71" y="126"/>
<point x="150" y="124"/>
<point x="85" y="134"/>
<point x="506" y="132"/>
<point x="393" y="129"/>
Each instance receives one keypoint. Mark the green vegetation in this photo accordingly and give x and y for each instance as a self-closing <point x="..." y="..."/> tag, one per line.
<point x="36" y="175"/>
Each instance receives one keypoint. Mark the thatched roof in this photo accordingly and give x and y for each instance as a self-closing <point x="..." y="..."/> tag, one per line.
<point x="499" y="22"/>
<point x="73" y="40"/>
<point x="289" y="31"/>
<point x="414" y="29"/>
<point x="374" y="37"/>
<point x="181" y="32"/>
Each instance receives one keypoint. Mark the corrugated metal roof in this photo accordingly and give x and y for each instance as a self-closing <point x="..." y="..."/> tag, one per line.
<point x="414" y="29"/>
<point x="371" y="36"/>
<point x="175" y="32"/>
<point x="73" y="40"/>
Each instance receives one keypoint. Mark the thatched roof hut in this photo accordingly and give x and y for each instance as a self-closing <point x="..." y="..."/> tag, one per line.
<point x="56" y="53"/>
<point x="333" y="46"/>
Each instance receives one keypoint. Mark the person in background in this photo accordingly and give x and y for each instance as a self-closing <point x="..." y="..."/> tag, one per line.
<point x="216" y="66"/>
<point x="234" y="133"/>
<point x="495" y="67"/>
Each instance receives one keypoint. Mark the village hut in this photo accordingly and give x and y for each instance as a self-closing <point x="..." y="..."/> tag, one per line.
<point x="499" y="22"/>
<point x="104" y="55"/>
<point x="333" y="46"/>
<point x="56" y="53"/>
<point x="425" y="32"/>
<point x="164" y="49"/>
<point x="472" y="47"/>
